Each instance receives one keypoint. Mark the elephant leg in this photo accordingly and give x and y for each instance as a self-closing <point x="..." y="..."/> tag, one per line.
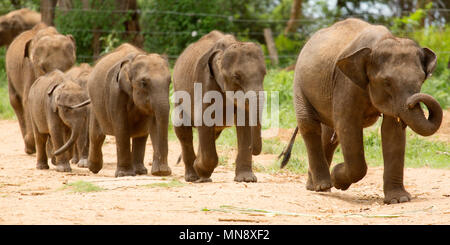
<point x="244" y="172"/>
<point x="329" y="142"/>
<point x="82" y="147"/>
<point x="138" y="153"/>
<point x="207" y="158"/>
<point x="59" y="137"/>
<point x="41" y="153"/>
<point x="17" y="105"/>
<point x="49" y="150"/>
<point x="123" y="146"/>
<point x="96" y="139"/>
<point x="160" y="167"/>
<point x="354" y="167"/>
<point x="75" y="156"/>
<point x="184" y="135"/>
<point x="29" y="136"/>
<point x="393" y="140"/>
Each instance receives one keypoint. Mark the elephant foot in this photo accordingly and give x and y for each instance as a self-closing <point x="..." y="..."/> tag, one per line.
<point x="319" y="185"/>
<point x="63" y="168"/>
<point x="83" y="163"/>
<point x="125" y="171"/>
<point x="203" y="174"/>
<point x="203" y="180"/>
<point x="161" y="169"/>
<point x="245" y="176"/>
<point x="190" y="175"/>
<point x="42" y="165"/>
<point x="74" y="160"/>
<point x="397" y="195"/>
<point x="339" y="177"/>
<point x="95" y="167"/>
<point x="30" y="151"/>
<point x="139" y="169"/>
<point x="30" y="147"/>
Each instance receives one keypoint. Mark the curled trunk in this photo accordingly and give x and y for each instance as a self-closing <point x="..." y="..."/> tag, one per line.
<point x="414" y="117"/>
<point x="73" y="137"/>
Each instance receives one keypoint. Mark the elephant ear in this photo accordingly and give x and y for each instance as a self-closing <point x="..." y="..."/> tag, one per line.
<point x="429" y="62"/>
<point x="120" y="73"/>
<point x="204" y="67"/>
<point x="27" y="51"/>
<point x="53" y="99"/>
<point x="354" y="66"/>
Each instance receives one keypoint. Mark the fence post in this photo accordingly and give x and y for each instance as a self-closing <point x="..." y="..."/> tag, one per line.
<point x="271" y="46"/>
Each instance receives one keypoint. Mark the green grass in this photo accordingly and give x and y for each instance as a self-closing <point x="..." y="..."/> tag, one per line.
<point x="173" y="183"/>
<point x="81" y="186"/>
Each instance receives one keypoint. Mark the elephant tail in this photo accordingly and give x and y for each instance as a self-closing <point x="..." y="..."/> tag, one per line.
<point x="179" y="159"/>
<point x="287" y="151"/>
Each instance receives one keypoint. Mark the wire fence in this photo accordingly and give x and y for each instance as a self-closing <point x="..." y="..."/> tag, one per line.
<point x="229" y="18"/>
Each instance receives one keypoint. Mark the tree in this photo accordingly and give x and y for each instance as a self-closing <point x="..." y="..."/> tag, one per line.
<point x="296" y="11"/>
<point x="48" y="11"/>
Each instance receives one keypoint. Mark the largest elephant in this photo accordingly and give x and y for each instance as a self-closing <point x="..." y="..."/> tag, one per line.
<point x="16" y="22"/>
<point x="32" y="54"/>
<point x="346" y="77"/>
<point x="219" y="64"/>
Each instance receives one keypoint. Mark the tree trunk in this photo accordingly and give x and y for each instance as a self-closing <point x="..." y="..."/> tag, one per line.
<point x="296" y="11"/>
<point x="271" y="46"/>
<point x="48" y="11"/>
<point x="132" y="28"/>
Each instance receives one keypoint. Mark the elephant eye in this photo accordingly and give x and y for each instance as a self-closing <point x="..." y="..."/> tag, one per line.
<point x="143" y="84"/>
<point x="387" y="83"/>
<point x="237" y="77"/>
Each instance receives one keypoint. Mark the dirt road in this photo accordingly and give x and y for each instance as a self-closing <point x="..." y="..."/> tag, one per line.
<point x="31" y="196"/>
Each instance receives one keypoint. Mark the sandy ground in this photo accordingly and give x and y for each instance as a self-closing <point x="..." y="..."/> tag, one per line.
<point x="31" y="196"/>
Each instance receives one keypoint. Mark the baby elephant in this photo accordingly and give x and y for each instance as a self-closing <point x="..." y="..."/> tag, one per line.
<point x="129" y="90"/>
<point x="346" y="77"/>
<point x="79" y="74"/>
<point x="58" y="108"/>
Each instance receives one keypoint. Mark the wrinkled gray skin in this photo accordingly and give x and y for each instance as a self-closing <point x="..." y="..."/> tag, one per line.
<point x="129" y="90"/>
<point x="220" y="63"/>
<point x="79" y="74"/>
<point x="58" y="108"/>
<point x="346" y="77"/>
<point x="16" y="22"/>
<point x="32" y="54"/>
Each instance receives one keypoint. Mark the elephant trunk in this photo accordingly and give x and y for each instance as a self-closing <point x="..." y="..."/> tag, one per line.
<point x="73" y="137"/>
<point x="414" y="117"/>
<point x="162" y="125"/>
<point x="256" y="129"/>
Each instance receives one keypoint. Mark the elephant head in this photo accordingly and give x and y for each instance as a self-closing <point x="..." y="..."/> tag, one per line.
<point x="231" y="65"/>
<point x="15" y="22"/>
<point x="392" y="72"/>
<point x="49" y="50"/>
<point x="70" y="102"/>
<point x="10" y="27"/>
<point x="145" y="79"/>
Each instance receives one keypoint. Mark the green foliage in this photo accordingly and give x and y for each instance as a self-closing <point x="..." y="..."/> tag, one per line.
<point x="81" y="23"/>
<point x="83" y="186"/>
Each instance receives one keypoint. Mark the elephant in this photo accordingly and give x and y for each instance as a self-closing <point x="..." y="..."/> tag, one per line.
<point x="79" y="74"/>
<point x="16" y="22"/>
<point x="221" y="64"/>
<point x="346" y="77"/>
<point x="58" y="108"/>
<point x="32" y="54"/>
<point x="129" y="90"/>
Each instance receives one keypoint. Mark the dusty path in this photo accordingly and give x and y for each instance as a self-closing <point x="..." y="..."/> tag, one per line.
<point x="30" y="196"/>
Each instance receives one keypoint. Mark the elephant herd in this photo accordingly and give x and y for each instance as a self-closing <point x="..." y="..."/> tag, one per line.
<point x="346" y="77"/>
